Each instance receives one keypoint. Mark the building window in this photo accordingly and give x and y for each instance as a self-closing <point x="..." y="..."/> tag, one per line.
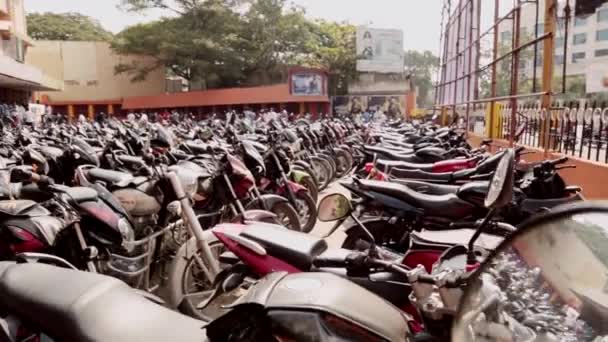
<point x="602" y="15"/>
<point x="580" y="21"/>
<point x="539" y="60"/>
<point x="561" y="23"/>
<point x="506" y="36"/>
<point x="601" y="35"/>
<point x="523" y="64"/>
<point x="601" y="53"/>
<point x="71" y="83"/>
<point x="559" y="42"/>
<point x="579" y="38"/>
<point x="578" y="56"/>
<point x="541" y="28"/>
<point x="559" y="59"/>
<point x="92" y="83"/>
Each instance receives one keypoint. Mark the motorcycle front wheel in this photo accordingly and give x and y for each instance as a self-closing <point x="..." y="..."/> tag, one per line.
<point x="287" y="216"/>
<point x="189" y="286"/>
<point x="307" y="211"/>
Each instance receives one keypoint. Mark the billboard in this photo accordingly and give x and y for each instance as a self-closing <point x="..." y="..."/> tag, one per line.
<point x="597" y="78"/>
<point x="379" y="50"/>
<point x="307" y="84"/>
<point x="391" y="105"/>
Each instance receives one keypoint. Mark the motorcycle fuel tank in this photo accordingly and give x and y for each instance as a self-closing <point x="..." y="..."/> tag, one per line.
<point x="330" y="294"/>
<point x="137" y="203"/>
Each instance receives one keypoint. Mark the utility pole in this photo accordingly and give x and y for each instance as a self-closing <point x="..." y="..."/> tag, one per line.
<point x="548" y="48"/>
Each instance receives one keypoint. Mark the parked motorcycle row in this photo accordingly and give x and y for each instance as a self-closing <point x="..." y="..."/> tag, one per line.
<point x="98" y="222"/>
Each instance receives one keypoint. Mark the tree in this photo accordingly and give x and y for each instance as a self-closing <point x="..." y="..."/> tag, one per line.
<point x="421" y="66"/>
<point x="334" y="50"/>
<point x="65" y="26"/>
<point x="199" y="45"/>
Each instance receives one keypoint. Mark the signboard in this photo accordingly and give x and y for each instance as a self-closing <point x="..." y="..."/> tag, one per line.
<point x="597" y="78"/>
<point x="379" y="50"/>
<point x="392" y="106"/>
<point x="307" y="84"/>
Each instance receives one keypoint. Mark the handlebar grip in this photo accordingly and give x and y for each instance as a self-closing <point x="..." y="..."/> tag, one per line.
<point x="45" y="180"/>
<point x="519" y="149"/>
<point x="34" y="177"/>
<point x="426" y="278"/>
<point x="329" y="262"/>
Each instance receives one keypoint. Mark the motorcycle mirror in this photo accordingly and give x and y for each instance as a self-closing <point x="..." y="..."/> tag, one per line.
<point x="546" y="282"/>
<point x="500" y="192"/>
<point x="334" y="207"/>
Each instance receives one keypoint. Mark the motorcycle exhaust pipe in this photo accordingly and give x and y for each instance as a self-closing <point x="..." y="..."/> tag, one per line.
<point x="193" y="224"/>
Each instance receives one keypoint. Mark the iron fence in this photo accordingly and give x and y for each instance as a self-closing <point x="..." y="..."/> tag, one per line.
<point x="577" y="128"/>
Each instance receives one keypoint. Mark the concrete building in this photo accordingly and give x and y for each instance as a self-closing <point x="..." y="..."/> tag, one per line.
<point x="587" y="40"/>
<point x="90" y="85"/>
<point x="18" y="79"/>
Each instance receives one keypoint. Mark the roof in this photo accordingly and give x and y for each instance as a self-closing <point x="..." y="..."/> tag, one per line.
<point x="221" y="97"/>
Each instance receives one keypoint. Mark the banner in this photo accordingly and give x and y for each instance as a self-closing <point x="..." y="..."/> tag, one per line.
<point x="307" y="84"/>
<point x="380" y="50"/>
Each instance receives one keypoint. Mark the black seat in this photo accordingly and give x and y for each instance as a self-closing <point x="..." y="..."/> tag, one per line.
<point x="22" y="208"/>
<point x="71" y="305"/>
<point x="443" y="177"/>
<point x="448" y="206"/>
<point x="298" y="249"/>
<point x="109" y="176"/>
<point x="395" y="153"/>
<point x="79" y="194"/>
<point x="429" y="188"/>
<point x="387" y="165"/>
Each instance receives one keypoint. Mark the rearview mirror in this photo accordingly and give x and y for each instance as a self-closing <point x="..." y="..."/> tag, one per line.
<point x="334" y="207"/>
<point x="547" y="282"/>
<point x="500" y="192"/>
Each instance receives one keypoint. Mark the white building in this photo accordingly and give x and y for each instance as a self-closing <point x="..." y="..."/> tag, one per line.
<point x="587" y="40"/>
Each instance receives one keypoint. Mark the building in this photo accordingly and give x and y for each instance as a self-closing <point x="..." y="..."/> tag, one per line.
<point x="587" y="40"/>
<point x="90" y="84"/>
<point x="18" y="79"/>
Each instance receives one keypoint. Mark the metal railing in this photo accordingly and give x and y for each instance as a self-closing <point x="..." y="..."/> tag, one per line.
<point x="577" y="128"/>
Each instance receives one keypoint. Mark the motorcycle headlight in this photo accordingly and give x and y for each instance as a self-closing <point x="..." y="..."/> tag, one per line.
<point x="128" y="234"/>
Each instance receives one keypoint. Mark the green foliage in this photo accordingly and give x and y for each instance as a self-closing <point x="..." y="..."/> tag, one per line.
<point x="65" y="26"/>
<point x="421" y="66"/>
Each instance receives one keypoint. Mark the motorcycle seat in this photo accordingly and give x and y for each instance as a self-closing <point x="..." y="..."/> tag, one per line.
<point x="444" y="177"/>
<point x="295" y="248"/>
<point x="70" y="305"/>
<point x="448" y="206"/>
<point x="387" y="165"/>
<point x="24" y="208"/>
<point x="79" y="194"/>
<point x="111" y="177"/>
<point x="393" y="153"/>
<point x="429" y="188"/>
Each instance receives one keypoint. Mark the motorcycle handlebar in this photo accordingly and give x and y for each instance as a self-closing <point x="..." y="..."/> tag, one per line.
<point x="559" y="161"/>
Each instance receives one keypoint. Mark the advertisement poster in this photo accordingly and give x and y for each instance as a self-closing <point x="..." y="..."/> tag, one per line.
<point x="307" y="84"/>
<point x="380" y="50"/>
<point x="391" y="106"/>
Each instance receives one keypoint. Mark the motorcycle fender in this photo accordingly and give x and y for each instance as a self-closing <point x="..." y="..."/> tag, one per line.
<point x="295" y="187"/>
<point x="297" y="175"/>
<point x="302" y="163"/>
<point x="266" y="201"/>
<point x="254" y="215"/>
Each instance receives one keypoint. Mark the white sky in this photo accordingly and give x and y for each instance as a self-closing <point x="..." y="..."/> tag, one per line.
<point x="419" y="19"/>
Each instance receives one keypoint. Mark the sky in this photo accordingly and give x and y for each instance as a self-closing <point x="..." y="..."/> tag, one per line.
<point x="419" y="19"/>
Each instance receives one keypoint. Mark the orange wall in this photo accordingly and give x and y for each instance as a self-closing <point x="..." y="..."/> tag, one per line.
<point x="591" y="176"/>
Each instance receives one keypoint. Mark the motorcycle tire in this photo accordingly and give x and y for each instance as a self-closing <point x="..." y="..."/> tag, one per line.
<point x="323" y="172"/>
<point x="178" y="282"/>
<point x="342" y="164"/>
<point x="305" y="202"/>
<point x="310" y="170"/>
<point x="287" y="216"/>
<point x="332" y="164"/>
<point x="312" y="188"/>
